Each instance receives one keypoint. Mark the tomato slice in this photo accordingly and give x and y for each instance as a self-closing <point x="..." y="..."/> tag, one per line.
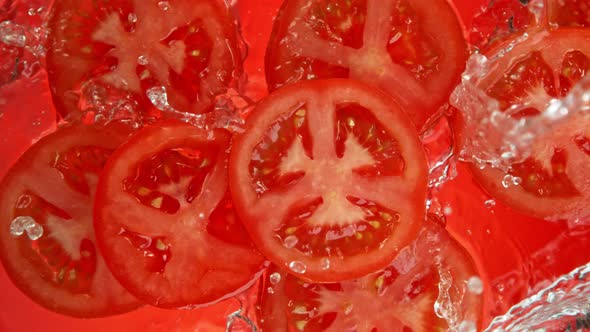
<point x="330" y="179"/>
<point x="165" y="223"/>
<point x="401" y="297"/>
<point x="110" y="56"/>
<point x="412" y="49"/>
<point x="553" y="182"/>
<point x="47" y="243"/>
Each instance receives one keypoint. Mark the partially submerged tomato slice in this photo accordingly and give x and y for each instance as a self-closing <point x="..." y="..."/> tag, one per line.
<point x="47" y="242"/>
<point x="111" y="55"/>
<point x="330" y="179"/>
<point x="413" y="49"/>
<point x="432" y="278"/>
<point x="554" y="182"/>
<point x="165" y="223"/>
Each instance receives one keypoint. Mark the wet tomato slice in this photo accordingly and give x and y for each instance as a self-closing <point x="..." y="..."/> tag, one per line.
<point x="330" y="179"/>
<point x="115" y="55"/>
<point x="47" y="243"/>
<point x="433" y="276"/>
<point x="165" y="223"/>
<point x="553" y="182"/>
<point x="412" y="49"/>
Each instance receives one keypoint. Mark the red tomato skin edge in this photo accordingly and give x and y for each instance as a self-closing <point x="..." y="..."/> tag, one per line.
<point x="26" y="159"/>
<point x="102" y="189"/>
<point x="336" y="271"/>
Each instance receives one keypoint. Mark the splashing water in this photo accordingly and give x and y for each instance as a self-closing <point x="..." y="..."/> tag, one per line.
<point x="497" y="138"/>
<point x="563" y="306"/>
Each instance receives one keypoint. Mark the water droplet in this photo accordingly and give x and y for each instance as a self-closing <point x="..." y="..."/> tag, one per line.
<point x="490" y="203"/>
<point x="164" y="5"/>
<point x="275" y="278"/>
<point x="325" y="263"/>
<point x="22" y="224"/>
<point x="132" y="18"/>
<point x="143" y="60"/>
<point x="298" y="267"/>
<point x="507" y="181"/>
<point x="475" y="285"/>
<point x="467" y="326"/>
<point x="290" y="241"/>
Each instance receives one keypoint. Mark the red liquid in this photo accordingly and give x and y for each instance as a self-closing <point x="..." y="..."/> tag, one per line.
<point x="508" y="246"/>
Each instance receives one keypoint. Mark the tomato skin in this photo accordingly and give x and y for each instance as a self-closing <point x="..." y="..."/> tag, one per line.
<point x="104" y="299"/>
<point x="79" y="61"/>
<point x="245" y="198"/>
<point x="421" y="96"/>
<point x="199" y="268"/>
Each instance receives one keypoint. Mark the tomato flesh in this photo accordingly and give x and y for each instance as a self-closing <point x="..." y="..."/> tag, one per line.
<point x="574" y="13"/>
<point x="178" y="242"/>
<point x="321" y="163"/>
<point x="130" y="55"/>
<point x="393" y="45"/>
<point x="400" y="297"/>
<point x="48" y="246"/>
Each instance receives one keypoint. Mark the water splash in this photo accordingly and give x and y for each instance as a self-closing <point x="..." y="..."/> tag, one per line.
<point x="559" y="307"/>
<point x="26" y="224"/>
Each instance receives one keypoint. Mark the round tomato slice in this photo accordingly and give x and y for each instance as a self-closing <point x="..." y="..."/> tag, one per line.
<point x="412" y="49"/>
<point x="432" y="285"/>
<point x="165" y="223"/>
<point x="330" y="179"/>
<point x="111" y="55"/>
<point x="554" y="182"/>
<point x="47" y="242"/>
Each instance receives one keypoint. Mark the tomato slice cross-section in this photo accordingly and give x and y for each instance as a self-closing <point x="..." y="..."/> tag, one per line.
<point x="553" y="182"/>
<point x="165" y="223"/>
<point x="47" y="242"/>
<point x="330" y="179"/>
<point x="127" y="55"/>
<point x="433" y="273"/>
<point x="412" y="49"/>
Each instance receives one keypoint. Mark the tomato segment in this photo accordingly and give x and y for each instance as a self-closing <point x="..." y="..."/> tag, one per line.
<point x="47" y="244"/>
<point x="126" y="55"/>
<point x="400" y="297"/>
<point x="163" y="220"/>
<point x="330" y="179"/>
<point x="414" y="50"/>
<point x="552" y="183"/>
<point x="573" y="13"/>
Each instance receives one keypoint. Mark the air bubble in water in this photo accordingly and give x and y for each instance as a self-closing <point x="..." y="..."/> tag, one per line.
<point x="22" y="224"/>
<point x="298" y="267"/>
<point x="290" y="241"/>
<point x="12" y="34"/>
<point x="164" y="5"/>
<point x="507" y="181"/>
<point x="475" y="285"/>
<point x="325" y="263"/>
<point x="132" y="18"/>
<point x="490" y="203"/>
<point x="275" y="278"/>
<point x="270" y="290"/>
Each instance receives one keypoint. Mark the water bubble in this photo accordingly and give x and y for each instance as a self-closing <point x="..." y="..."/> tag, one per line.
<point x="467" y="326"/>
<point x="275" y="278"/>
<point x="132" y="18"/>
<point x="298" y="267"/>
<point x="22" y="224"/>
<point x="164" y="5"/>
<point x="475" y="285"/>
<point x="270" y="290"/>
<point x="490" y="203"/>
<point x="507" y="180"/>
<point x="290" y="241"/>
<point x="143" y="60"/>
<point x="516" y="180"/>
<point x="325" y="263"/>
<point x="12" y="34"/>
